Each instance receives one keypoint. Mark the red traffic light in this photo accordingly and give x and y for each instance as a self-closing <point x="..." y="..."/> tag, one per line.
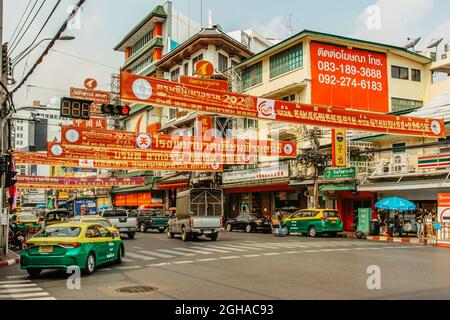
<point x="116" y="110"/>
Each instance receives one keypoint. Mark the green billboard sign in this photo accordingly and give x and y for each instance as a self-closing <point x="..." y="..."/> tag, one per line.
<point x="339" y="173"/>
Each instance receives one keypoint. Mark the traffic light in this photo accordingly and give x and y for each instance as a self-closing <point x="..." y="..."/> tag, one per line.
<point x="10" y="174"/>
<point x="115" y="110"/>
<point x="5" y="59"/>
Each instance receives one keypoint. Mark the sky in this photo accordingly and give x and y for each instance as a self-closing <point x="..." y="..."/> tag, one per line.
<point x="103" y="23"/>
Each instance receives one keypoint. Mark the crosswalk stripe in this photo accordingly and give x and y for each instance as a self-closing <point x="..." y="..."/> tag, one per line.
<point x="211" y="249"/>
<point x="244" y="246"/>
<point x="231" y="247"/>
<point x="129" y="267"/>
<point x="229" y="257"/>
<point x="23" y="295"/>
<point x="156" y="254"/>
<point x="19" y="290"/>
<point x="17" y="277"/>
<point x="183" y="262"/>
<point x="207" y="259"/>
<point x="14" y="281"/>
<point x="175" y="252"/>
<point x="25" y="285"/>
<point x="194" y="251"/>
<point x="127" y="260"/>
<point x="138" y="256"/>
<point x="46" y="298"/>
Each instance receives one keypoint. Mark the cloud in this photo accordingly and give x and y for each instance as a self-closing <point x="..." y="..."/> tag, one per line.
<point x="442" y="31"/>
<point x="276" y="28"/>
<point x="399" y="20"/>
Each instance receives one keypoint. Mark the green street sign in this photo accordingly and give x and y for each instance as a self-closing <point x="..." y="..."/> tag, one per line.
<point x="337" y="173"/>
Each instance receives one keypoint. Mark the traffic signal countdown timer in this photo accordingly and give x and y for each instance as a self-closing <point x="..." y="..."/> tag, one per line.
<point x="115" y="110"/>
<point x="75" y="108"/>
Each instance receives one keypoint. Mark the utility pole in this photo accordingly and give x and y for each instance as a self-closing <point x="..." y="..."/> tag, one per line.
<point x="3" y="145"/>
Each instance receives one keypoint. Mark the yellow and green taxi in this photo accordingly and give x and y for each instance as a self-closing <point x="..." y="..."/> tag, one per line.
<point x="59" y="246"/>
<point x="313" y="222"/>
<point x="24" y="220"/>
<point x="100" y="220"/>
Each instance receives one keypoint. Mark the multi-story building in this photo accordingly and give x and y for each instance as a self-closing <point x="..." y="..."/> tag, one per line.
<point x="211" y="44"/>
<point x="323" y="69"/>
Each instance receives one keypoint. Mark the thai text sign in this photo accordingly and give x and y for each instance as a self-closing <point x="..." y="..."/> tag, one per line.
<point x="98" y="97"/>
<point x="349" y="78"/>
<point x="273" y="172"/>
<point x="444" y="207"/>
<point x="339" y="173"/>
<point x="56" y="150"/>
<point x="174" y="143"/>
<point x="73" y="182"/>
<point x="42" y="159"/>
<point x="221" y="85"/>
<point x="139" y="89"/>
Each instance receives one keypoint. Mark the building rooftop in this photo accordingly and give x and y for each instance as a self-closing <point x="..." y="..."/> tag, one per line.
<point x="336" y="38"/>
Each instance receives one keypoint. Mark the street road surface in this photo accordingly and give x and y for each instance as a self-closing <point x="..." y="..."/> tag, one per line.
<point x="250" y="266"/>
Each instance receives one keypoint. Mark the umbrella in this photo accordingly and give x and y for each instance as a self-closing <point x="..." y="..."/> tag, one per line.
<point x="104" y="208"/>
<point x="395" y="203"/>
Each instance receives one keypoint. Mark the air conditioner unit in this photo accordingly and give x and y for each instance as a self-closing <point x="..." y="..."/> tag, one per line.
<point x="399" y="164"/>
<point x="384" y="168"/>
<point x="444" y="56"/>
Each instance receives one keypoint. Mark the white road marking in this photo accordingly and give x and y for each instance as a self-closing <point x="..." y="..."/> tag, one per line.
<point x="310" y="251"/>
<point x="159" y="264"/>
<point x="231" y="247"/>
<point x="251" y="255"/>
<point x="17" y="277"/>
<point x="129" y="267"/>
<point x="139" y="256"/>
<point x="23" y="295"/>
<point x="46" y="298"/>
<point x="105" y="269"/>
<point x="271" y="254"/>
<point x="343" y="249"/>
<point x="244" y="246"/>
<point x="20" y="290"/>
<point x="230" y="257"/>
<point x="127" y="260"/>
<point x="207" y="259"/>
<point x="3" y="286"/>
<point x="14" y="281"/>
<point x="139" y="248"/>
<point x="211" y="249"/>
<point x="175" y="252"/>
<point x="291" y="252"/>
<point x="156" y="254"/>
<point x="327" y="250"/>
<point x="193" y="251"/>
<point x="183" y="262"/>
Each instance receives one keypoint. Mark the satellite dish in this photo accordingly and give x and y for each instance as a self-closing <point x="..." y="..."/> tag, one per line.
<point x="412" y="43"/>
<point x="435" y="43"/>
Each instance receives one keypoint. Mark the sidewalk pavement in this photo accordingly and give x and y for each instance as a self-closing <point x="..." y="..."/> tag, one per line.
<point x="10" y="259"/>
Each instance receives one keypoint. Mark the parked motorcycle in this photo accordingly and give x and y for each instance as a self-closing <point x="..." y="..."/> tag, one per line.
<point x="16" y="239"/>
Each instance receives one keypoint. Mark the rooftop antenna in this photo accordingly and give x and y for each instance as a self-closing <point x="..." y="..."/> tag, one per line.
<point x="289" y="24"/>
<point x="210" y="19"/>
<point x="412" y="43"/>
<point x="435" y="43"/>
<point x="201" y="13"/>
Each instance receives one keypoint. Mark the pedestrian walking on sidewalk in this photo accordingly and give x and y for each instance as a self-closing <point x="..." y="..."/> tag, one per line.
<point x="419" y="222"/>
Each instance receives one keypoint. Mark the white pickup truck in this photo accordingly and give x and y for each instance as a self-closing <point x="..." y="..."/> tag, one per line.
<point x="120" y="219"/>
<point x="199" y="212"/>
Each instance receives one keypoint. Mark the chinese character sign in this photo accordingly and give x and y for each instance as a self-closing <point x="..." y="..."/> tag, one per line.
<point x="339" y="147"/>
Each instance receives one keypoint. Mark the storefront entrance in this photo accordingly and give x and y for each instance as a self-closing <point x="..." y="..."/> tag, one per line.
<point x="348" y="205"/>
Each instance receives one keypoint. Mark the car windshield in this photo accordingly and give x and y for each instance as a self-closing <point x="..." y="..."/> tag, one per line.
<point x="115" y="213"/>
<point x="331" y="214"/>
<point x="104" y="223"/>
<point x="61" y="232"/>
<point x="27" y="216"/>
<point x="132" y="214"/>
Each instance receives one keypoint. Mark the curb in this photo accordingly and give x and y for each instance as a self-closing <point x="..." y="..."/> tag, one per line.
<point x="401" y="240"/>
<point x="10" y="262"/>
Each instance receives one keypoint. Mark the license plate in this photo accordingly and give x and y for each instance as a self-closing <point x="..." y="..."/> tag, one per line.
<point x="208" y="232"/>
<point x="45" y="249"/>
<point x="266" y="223"/>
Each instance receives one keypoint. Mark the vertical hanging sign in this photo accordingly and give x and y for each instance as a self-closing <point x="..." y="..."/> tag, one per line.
<point x="339" y="146"/>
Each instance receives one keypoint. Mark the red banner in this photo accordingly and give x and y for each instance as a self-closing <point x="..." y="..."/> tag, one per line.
<point x="56" y="150"/>
<point x="82" y="183"/>
<point x="349" y="78"/>
<point x="42" y="159"/>
<point x="204" y="126"/>
<point x="162" y="93"/>
<point x="174" y="143"/>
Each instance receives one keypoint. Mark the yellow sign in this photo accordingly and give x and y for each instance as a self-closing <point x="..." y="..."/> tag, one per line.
<point x="339" y="156"/>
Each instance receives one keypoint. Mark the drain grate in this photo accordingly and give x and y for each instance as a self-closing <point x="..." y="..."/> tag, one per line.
<point x="136" y="289"/>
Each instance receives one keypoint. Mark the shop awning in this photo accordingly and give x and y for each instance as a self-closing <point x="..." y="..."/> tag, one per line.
<point x="338" y="187"/>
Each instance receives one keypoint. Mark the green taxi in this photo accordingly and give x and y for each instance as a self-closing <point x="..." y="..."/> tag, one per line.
<point x="24" y="220"/>
<point x="314" y="222"/>
<point x="59" y="246"/>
